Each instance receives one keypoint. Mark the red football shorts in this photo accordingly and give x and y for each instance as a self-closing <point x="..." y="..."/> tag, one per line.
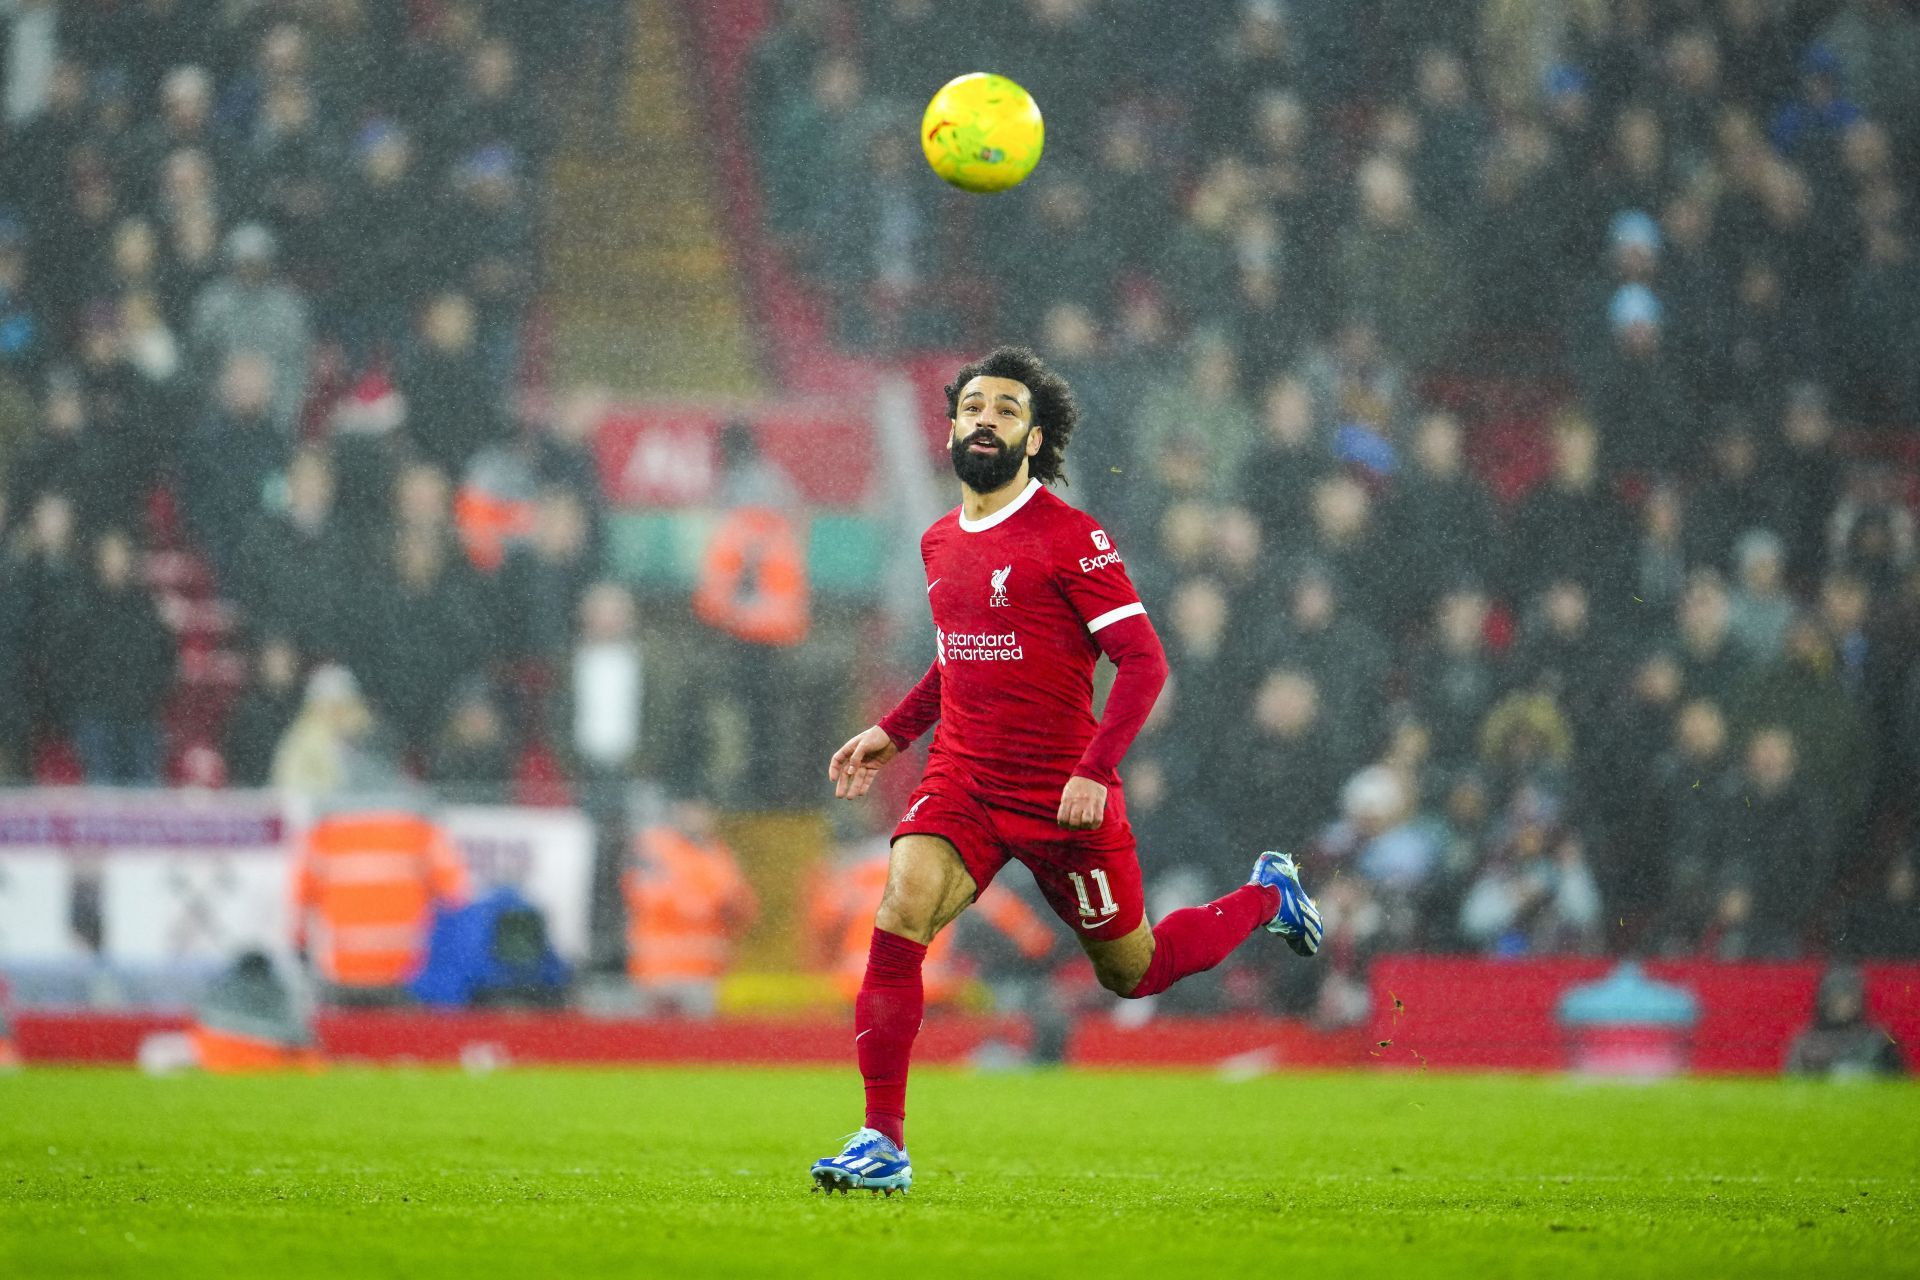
<point x="1091" y="879"/>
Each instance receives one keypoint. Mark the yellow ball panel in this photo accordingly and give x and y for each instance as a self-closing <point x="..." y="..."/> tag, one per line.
<point x="982" y="133"/>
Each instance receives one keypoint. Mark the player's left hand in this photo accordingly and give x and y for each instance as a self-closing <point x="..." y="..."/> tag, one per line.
<point x="1082" y="804"/>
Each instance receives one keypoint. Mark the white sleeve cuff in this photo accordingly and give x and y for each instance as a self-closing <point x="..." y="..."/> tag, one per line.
<point x="1112" y="616"/>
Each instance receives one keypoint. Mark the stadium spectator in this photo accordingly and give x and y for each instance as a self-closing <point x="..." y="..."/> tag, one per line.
<point x="1206" y="668"/>
<point x="1799" y="692"/>
<point x="1562" y="651"/>
<point x="1534" y="891"/>
<point x="1283" y="738"/>
<point x="384" y="226"/>
<point x="428" y="633"/>
<point x="16" y="622"/>
<point x="53" y="575"/>
<point x="472" y="758"/>
<point x="494" y="508"/>
<point x="451" y="406"/>
<point x="1346" y="659"/>
<point x="1640" y="402"/>
<point x="1345" y="544"/>
<point x="122" y="664"/>
<point x="1709" y="658"/>
<point x="487" y="246"/>
<point x="335" y="745"/>
<point x="603" y="697"/>
<point x="1456" y="675"/>
<point x="1885" y="923"/>
<point x="1762" y="609"/>
<point x="250" y="310"/>
<point x="1680" y="818"/>
<point x="1200" y="408"/>
<point x="1732" y="497"/>
<point x="66" y="456"/>
<point x="20" y="336"/>
<point x="1526" y="745"/>
<point x="1439" y="505"/>
<point x="1383" y="839"/>
<point x="1281" y="469"/>
<point x="1804" y="473"/>
<point x="1843" y="1042"/>
<point x="1571" y="526"/>
<point x="543" y="581"/>
<point x="235" y="451"/>
<point x="295" y="569"/>
<point x="1391" y="268"/>
<point x="263" y="715"/>
<point x="1769" y="826"/>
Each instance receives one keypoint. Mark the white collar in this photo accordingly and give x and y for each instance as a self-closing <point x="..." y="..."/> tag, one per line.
<point x="987" y="522"/>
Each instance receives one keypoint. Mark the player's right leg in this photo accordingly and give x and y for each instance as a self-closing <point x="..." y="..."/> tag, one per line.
<point x="928" y="885"/>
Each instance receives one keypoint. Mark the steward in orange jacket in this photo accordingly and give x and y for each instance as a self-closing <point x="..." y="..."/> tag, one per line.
<point x="840" y="921"/>
<point x="753" y="579"/>
<point x="365" y="885"/>
<point x="687" y="904"/>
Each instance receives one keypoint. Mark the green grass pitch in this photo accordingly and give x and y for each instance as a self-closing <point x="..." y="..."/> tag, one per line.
<point x="702" y="1173"/>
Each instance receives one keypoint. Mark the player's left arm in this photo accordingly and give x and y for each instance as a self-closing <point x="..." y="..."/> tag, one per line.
<point x="1096" y="583"/>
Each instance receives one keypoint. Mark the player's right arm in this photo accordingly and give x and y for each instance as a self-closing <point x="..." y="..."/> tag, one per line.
<point x="854" y="765"/>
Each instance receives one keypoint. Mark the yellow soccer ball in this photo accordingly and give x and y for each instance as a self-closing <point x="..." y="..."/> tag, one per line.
<point x="982" y="133"/>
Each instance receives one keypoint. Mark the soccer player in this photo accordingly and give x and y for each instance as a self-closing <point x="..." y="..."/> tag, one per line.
<point x="1027" y="593"/>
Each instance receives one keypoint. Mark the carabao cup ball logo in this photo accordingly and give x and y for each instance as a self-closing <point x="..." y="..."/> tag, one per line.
<point x="982" y="133"/>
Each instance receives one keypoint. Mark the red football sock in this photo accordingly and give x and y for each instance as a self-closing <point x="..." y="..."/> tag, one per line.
<point x="886" y="1017"/>
<point x="1195" y="939"/>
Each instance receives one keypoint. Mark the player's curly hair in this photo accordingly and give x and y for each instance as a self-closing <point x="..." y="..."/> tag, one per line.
<point x="1054" y="410"/>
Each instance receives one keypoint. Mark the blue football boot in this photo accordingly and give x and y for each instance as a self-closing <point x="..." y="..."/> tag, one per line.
<point x="1297" y="920"/>
<point x="869" y="1162"/>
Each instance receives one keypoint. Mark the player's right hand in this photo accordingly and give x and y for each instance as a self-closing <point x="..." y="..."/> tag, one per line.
<point x="853" y="766"/>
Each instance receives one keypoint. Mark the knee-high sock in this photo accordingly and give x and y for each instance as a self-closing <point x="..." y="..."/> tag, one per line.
<point x="1195" y="939"/>
<point x="886" y="1017"/>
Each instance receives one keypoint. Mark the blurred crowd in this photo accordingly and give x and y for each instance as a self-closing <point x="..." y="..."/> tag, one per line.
<point x="1635" y="672"/>
<point x="265" y="272"/>
<point x="1617" y="655"/>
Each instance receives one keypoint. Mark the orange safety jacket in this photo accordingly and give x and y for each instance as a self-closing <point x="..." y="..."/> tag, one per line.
<point x="753" y="579"/>
<point x="364" y="889"/>
<point x="487" y="523"/>
<point x="686" y="904"/>
<point x="840" y="916"/>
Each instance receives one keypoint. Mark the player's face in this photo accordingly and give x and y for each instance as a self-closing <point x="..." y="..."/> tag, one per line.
<point x="993" y="433"/>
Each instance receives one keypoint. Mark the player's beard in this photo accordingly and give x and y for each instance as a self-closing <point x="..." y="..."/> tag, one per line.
<point x="985" y="472"/>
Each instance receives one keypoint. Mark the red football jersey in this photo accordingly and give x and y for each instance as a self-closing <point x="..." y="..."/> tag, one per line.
<point x="1019" y="599"/>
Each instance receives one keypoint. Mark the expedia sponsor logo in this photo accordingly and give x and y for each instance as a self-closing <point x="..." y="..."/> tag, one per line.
<point x="1089" y="563"/>
<point x="978" y="646"/>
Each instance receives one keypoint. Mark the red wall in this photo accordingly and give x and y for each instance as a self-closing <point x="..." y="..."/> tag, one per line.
<point x="1475" y="1013"/>
<point x="1458" y="1014"/>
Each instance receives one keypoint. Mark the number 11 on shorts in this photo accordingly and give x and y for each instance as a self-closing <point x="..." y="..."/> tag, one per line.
<point x="1107" y="905"/>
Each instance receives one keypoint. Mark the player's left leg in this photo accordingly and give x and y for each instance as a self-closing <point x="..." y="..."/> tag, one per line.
<point x="1093" y="881"/>
<point x="1192" y="940"/>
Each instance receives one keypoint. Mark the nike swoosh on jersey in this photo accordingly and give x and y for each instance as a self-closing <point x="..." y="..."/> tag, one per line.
<point x="932" y="585"/>
<point x="1095" y="924"/>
